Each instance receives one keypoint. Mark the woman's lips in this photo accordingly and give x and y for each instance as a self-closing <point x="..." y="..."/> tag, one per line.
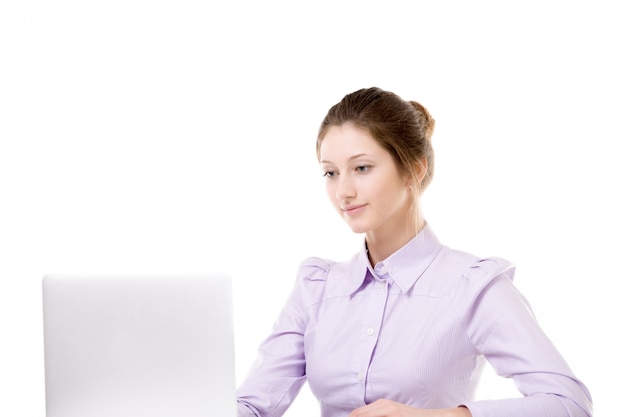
<point x="353" y="210"/>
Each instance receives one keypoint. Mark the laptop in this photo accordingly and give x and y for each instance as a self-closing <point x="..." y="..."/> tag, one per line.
<point x="134" y="346"/>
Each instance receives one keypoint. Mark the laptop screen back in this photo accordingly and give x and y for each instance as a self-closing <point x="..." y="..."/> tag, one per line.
<point x="138" y="346"/>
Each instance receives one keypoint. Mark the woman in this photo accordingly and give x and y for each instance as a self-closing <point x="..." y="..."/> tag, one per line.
<point x="402" y="328"/>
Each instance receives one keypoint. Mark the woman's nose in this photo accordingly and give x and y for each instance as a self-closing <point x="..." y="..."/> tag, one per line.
<point x="345" y="188"/>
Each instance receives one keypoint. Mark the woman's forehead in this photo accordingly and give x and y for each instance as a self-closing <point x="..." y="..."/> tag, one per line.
<point x="348" y="142"/>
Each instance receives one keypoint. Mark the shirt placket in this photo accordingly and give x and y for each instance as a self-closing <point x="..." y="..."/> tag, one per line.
<point x="377" y="294"/>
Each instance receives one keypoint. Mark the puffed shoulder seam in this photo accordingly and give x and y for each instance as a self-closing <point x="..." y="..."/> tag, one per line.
<point x="489" y="268"/>
<point x="315" y="269"/>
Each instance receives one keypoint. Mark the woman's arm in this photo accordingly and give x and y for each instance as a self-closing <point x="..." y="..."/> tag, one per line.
<point x="503" y="328"/>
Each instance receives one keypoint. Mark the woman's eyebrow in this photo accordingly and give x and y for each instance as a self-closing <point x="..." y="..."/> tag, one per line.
<point x="359" y="155"/>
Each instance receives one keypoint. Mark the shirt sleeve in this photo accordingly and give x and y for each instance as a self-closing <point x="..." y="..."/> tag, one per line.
<point x="278" y="374"/>
<point x="503" y="328"/>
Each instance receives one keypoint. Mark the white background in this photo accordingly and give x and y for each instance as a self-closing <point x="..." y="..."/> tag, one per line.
<point x="141" y="136"/>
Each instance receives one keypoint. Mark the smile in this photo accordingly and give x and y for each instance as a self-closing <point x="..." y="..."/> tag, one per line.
<point x="353" y="210"/>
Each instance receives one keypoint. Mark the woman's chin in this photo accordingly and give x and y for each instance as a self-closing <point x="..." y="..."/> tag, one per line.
<point x="357" y="228"/>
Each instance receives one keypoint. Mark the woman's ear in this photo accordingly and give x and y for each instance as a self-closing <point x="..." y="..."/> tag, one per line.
<point x="414" y="179"/>
<point x="419" y="172"/>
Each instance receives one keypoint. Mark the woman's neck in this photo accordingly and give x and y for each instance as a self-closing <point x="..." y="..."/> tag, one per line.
<point x="382" y="244"/>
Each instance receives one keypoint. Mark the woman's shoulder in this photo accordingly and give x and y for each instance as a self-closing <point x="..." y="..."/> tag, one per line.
<point x="483" y="270"/>
<point x="329" y="278"/>
<point x="313" y="283"/>
<point x="475" y="267"/>
<point x="473" y="274"/>
<point x="453" y="269"/>
<point x="314" y="268"/>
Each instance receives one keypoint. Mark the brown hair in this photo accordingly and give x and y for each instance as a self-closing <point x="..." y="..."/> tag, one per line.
<point x="403" y="128"/>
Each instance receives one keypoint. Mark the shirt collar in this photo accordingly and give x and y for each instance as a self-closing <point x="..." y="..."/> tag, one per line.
<point x="403" y="267"/>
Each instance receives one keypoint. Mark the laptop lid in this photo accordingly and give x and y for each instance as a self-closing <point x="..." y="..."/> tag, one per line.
<point x="138" y="346"/>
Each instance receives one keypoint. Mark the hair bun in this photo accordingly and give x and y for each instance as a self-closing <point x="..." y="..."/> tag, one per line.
<point x="426" y="120"/>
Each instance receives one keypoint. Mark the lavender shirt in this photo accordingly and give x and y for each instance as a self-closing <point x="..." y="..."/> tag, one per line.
<point x="414" y="329"/>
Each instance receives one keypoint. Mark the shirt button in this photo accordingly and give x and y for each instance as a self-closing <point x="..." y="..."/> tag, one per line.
<point x="359" y="376"/>
<point x="370" y="331"/>
<point x="381" y="285"/>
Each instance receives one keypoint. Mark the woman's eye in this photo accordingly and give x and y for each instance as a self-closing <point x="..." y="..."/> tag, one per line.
<point x="329" y="174"/>
<point x="362" y="168"/>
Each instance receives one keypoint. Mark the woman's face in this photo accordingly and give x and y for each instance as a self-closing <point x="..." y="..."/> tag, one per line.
<point x="363" y="182"/>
